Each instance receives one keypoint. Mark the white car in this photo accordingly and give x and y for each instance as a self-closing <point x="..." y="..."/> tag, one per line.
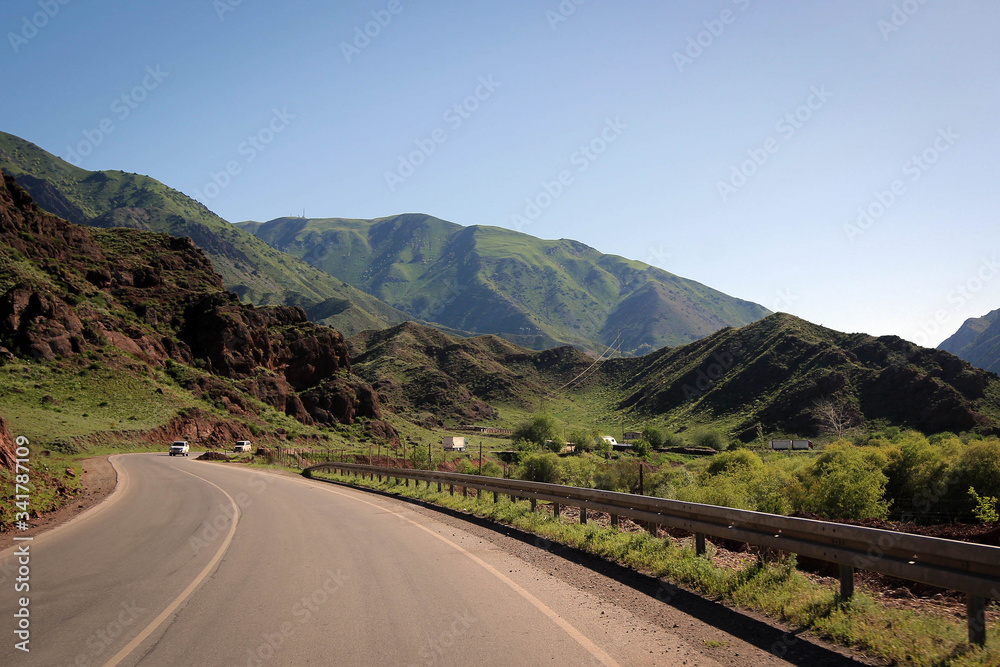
<point x="179" y="448"/>
<point x="242" y="446"/>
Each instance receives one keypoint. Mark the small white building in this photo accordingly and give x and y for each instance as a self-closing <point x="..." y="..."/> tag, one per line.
<point x="454" y="443"/>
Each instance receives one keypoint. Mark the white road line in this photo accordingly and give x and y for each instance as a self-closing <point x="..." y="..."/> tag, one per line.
<point x="565" y="625"/>
<point x="172" y="607"/>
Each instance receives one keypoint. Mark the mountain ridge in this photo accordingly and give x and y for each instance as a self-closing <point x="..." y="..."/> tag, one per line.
<point x="977" y="341"/>
<point x="250" y="268"/>
<point x="483" y="279"/>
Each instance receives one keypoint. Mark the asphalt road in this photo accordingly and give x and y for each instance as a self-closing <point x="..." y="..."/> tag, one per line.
<point x="195" y="563"/>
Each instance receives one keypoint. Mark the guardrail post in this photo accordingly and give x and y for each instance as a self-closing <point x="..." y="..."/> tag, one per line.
<point x="975" y="607"/>
<point x="439" y="487"/>
<point x="614" y="520"/>
<point x="451" y="489"/>
<point x="846" y="582"/>
<point x="465" y="492"/>
<point x="533" y="503"/>
<point x="699" y="544"/>
<point x="583" y="515"/>
<point x="406" y="481"/>
<point x="652" y="527"/>
<point x="555" y="510"/>
<point x="495" y="496"/>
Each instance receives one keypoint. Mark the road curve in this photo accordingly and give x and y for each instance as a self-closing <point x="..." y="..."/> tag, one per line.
<point x="193" y="563"/>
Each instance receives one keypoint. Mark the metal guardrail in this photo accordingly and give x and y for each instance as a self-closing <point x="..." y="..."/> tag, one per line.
<point x="970" y="568"/>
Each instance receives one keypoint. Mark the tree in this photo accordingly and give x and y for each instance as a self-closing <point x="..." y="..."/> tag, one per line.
<point x="538" y="430"/>
<point x="835" y="416"/>
<point x="653" y="436"/>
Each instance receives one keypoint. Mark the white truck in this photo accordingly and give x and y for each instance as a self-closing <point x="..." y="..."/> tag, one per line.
<point x="242" y="446"/>
<point x="179" y="448"/>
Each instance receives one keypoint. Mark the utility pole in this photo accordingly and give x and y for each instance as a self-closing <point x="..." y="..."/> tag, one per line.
<point x="430" y="461"/>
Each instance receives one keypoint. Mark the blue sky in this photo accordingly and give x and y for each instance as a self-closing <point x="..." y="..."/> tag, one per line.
<point x="832" y="160"/>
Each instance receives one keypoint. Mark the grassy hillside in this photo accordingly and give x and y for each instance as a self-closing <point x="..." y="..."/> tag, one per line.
<point x="977" y="341"/>
<point x="530" y="291"/>
<point x="254" y="270"/>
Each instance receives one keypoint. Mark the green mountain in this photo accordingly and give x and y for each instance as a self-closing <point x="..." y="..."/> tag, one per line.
<point x="977" y="341"/>
<point x="428" y="376"/>
<point x="489" y="280"/>
<point x="787" y="374"/>
<point x="249" y="267"/>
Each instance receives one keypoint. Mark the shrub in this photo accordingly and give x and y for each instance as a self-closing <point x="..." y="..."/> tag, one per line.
<point x="540" y="468"/>
<point x="848" y="484"/>
<point x="738" y="459"/>
<point x="673" y="440"/>
<point x="621" y="475"/>
<point x="640" y="448"/>
<point x="709" y="438"/>
<point x="653" y="436"/>
<point x="578" y="471"/>
<point x="986" y="507"/>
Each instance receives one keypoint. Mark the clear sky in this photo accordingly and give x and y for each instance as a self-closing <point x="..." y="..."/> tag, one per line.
<point x="834" y="160"/>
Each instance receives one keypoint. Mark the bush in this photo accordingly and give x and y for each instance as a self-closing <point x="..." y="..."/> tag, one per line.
<point x="653" y="436"/>
<point x="540" y="468"/>
<point x="621" y="475"/>
<point x="578" y="471"/>
<point x="848" y="483"/>
<point x="710" y="438"/>
<point x="640" y="448"/>
<point x="736" y="460"/>
<point x="673" y="440"/>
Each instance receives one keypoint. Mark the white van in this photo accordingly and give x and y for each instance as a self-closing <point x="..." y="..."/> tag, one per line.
<point x="242" y="446"/>
<point x="179" y="448"/>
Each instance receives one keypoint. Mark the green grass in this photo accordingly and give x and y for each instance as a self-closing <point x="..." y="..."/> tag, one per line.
<point x="773" y="587"/>
<point x="60" y="401"/>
